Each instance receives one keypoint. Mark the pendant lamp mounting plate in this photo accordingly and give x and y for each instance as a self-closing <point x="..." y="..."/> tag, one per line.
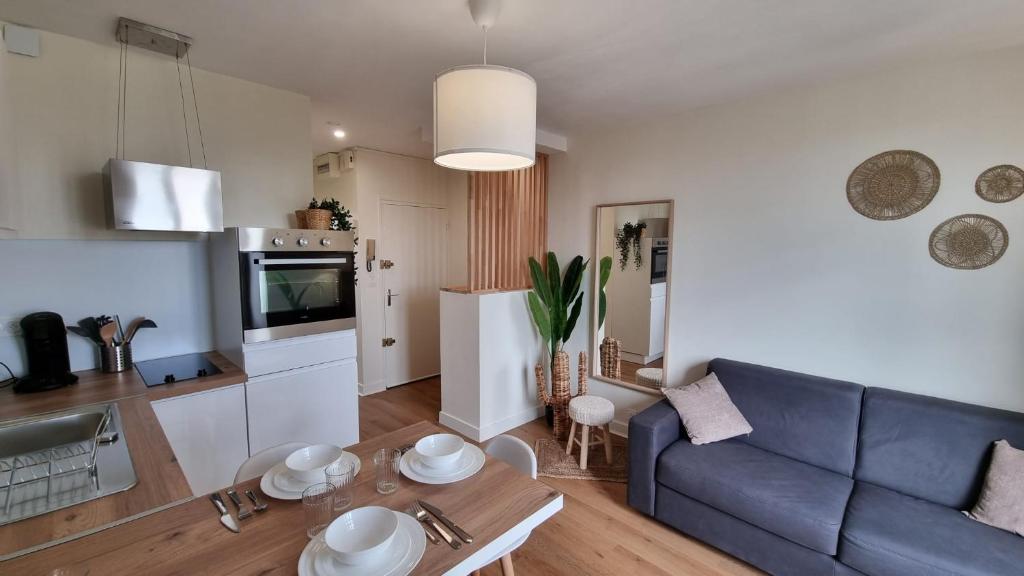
<point x="485" y="12"/>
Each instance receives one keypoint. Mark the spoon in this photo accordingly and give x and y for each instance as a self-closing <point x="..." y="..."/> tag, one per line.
<point x="107" y="333"/>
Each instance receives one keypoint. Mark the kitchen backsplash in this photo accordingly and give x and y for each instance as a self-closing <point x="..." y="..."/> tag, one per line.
<point x="165" y="281"/>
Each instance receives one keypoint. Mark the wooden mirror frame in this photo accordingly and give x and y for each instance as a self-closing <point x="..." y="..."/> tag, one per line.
<point x="595" y="346"/>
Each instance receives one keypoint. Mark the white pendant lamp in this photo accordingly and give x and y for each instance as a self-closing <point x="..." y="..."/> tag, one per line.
<point x="485" y="116"/>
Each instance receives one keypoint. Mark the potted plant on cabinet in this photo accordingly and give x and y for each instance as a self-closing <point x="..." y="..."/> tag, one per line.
<point x="555" y="304"/>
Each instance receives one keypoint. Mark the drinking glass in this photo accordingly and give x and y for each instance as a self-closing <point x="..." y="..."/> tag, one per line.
<point x="318" y="504"/>
<point x="386" y="461"/>
<point x="341" y="475"/>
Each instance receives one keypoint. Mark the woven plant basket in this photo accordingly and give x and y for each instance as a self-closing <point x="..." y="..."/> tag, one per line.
<point x="317" y="219"/>
<point x="611" y="358"/>
<point x="300" y="218"/>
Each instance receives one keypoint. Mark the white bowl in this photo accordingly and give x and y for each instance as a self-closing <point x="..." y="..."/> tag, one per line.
<point x="307" y="464"/>
<point x="440" y="450"/>
<point x="361" y="536"/>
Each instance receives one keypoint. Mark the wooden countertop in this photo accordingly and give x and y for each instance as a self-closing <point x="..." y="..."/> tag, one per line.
<point x="188" y="539"/>
<point x="94" y="387"/>
<point x="160" y="479"/>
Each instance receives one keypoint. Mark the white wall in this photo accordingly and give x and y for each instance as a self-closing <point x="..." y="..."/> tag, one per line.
<point x="381" y="176"/>
<point x="770" y="263"/>
<point x="489" y="348"/>
<point x="165" y="281"/>
<point x="342" y="188"/>
<point x="63" y="132"/>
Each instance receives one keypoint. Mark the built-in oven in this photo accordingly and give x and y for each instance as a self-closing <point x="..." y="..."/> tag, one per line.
<point x="295" y="283"/>
<point x="659" y="260"/>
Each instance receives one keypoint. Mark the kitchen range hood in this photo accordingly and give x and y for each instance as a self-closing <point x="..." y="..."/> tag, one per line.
<point x="147" y="196"/>
<point x="150" y="196"/>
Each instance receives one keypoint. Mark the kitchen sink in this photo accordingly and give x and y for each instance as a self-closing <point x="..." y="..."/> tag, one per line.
<point x="59" y="460"/>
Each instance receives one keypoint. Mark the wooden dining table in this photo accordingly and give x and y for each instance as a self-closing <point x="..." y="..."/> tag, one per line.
<point x="497" y="506"/>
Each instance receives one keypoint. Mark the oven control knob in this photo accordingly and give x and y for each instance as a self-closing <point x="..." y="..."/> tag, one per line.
<point x="325" y="242"/>
<point x="277" y="241"/>
<point x="303" y="242"/>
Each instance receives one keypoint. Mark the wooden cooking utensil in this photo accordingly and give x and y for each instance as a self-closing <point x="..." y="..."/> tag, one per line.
<point x="108" y="332"/>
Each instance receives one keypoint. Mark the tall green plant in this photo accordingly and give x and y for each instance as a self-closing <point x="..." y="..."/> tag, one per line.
<point x="606" y="273"/>
<point x="556" y="300"/>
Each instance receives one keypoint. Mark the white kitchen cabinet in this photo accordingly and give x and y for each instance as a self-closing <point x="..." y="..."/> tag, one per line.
<point x="316" y="404"/>
<point x="207" y="431"/>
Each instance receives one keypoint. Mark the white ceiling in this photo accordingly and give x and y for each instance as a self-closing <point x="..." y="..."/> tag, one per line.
<point x="369" y="64"/>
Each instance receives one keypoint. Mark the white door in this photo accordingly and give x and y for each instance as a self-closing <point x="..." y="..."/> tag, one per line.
<point x="207" y="432"/>
<point x="414" y="240"/>
<point x="318" y="405"/>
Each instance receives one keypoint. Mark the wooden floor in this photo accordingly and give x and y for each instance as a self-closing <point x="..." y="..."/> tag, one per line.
<point x="596" y="533"/>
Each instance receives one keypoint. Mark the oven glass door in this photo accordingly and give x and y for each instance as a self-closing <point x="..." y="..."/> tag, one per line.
<point x="286" y="290"/>
<point x="659" y="264"/>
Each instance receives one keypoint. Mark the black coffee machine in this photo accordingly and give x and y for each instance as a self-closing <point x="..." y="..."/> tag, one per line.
<point x="46" y="341"/>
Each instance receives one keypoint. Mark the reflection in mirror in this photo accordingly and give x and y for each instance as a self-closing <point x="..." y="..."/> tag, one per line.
<point x="631" y="310"/>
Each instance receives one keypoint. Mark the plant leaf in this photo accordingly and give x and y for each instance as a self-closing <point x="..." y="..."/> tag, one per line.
<point x="606" y="270"/>
<point x="602" y="309"/>
<point x="554" y="279"/>
<point x="573" y="278"/>
<point x="540" y="317"/>
<point x="570" y="324"/>
<point x="555" y="306"/>
<point x="540" y="283"/>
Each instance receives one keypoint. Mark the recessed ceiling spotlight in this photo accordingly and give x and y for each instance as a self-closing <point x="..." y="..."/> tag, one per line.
<point x="336" y="130"/>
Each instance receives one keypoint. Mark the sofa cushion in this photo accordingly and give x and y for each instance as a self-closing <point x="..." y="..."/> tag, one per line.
<point x="796" y="501"/>
<point x="706" y="411"/>
<point x="889" y="534"/>
<point x="1001" y="503"/>
<point x="928" y="447"/>
<point x="806" y="418"/>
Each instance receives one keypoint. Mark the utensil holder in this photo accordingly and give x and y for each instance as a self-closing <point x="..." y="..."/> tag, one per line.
<point x="117" y="358"/>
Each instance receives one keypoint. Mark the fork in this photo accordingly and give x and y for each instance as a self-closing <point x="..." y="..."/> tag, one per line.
<point x="243" y="512"/>
<point x="430" y="535"/>
<point x="258" y="505"/>
<point x="422" y="516"/>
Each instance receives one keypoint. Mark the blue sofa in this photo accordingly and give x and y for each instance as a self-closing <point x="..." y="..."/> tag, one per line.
<point x="836" y="478"/>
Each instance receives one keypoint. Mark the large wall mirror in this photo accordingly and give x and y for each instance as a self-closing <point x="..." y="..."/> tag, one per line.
<point x="630" y="322"/>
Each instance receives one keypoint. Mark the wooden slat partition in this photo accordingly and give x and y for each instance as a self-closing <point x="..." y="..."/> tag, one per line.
<point x="508" y="223"/>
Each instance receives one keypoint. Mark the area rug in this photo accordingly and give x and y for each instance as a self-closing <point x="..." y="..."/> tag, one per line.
<point x="553" y="462"/>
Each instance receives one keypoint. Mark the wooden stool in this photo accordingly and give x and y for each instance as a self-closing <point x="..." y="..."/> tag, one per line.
<point x="590" y="412"/>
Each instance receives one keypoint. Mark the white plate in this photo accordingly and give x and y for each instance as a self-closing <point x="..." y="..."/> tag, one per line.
<point x="403" y="555"/>
<point x="278" y="483"/>
<point x="471" y="461"/>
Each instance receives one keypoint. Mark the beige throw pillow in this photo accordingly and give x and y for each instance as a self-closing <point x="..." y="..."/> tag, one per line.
<point x="707" y="412"/>
<point x="1001" y="503"/>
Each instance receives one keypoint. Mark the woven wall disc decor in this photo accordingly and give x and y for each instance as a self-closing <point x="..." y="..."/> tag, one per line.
<point x="1000" y="183"/>
<point x="968" y="242"/>
<point x="893" y="184"/>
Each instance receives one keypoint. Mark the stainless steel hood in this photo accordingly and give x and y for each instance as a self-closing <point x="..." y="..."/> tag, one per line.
<point x="147" y="196"/>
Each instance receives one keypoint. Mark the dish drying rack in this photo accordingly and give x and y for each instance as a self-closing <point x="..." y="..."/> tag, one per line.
<point x="68" y="470"/>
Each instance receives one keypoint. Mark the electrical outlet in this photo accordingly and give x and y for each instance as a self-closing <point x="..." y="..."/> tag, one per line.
<point x="10" y="327"/>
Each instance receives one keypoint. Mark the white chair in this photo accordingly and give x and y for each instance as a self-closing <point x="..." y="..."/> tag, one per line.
<point x="258" y="464"/>
<point x="520" y="456"/>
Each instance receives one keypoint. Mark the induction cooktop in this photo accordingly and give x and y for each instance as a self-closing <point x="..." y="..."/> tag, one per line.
<point x="175" y="369"/>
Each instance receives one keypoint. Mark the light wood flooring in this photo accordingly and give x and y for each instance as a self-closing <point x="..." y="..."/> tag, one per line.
<point x="596" y="533"/>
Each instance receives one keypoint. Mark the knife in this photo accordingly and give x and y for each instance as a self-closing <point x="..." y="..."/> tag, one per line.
<point x="225" y="517"/>
<point x="449" y="523"/>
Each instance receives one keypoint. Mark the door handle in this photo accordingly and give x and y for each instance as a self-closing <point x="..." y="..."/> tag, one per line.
<point x="390" y="295"/>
